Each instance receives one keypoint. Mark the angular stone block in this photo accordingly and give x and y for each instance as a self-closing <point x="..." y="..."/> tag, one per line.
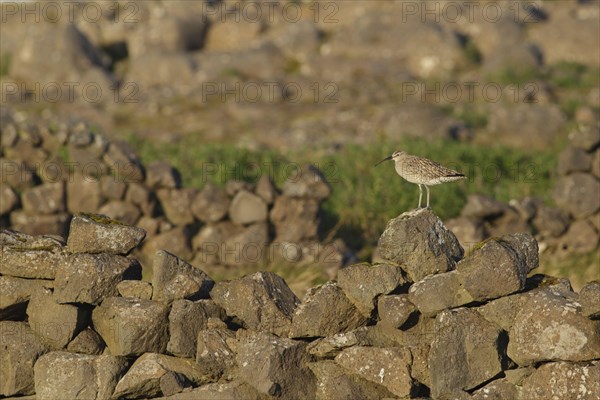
<point x="132" y="326"/>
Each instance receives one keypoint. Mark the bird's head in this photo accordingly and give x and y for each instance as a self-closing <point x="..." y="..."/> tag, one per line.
<point x="397" y="154"/>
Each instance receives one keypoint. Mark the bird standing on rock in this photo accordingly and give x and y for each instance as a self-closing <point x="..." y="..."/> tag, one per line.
<point x="422" y="171"/>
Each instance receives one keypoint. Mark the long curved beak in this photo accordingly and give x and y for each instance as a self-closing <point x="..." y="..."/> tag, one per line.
<point x="385" y="159"/>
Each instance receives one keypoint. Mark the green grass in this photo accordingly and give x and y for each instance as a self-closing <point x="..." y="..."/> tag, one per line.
<point x="364" y="198"/>
<point x="564" y="75"/>
<point x="5" y="59"/>
<point x="63" y="152"/>
<point x="571" y="75"/>
<point x="513" y="75"/>
<point x="570" y="106"/>
<point x="292" y="66"/>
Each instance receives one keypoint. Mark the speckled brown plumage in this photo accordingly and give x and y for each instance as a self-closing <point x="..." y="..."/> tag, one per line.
<point x="422" y="171"/>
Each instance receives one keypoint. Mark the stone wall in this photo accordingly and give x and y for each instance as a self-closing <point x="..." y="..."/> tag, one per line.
<point x="77" y="322"/>
<point x="571" y="227"/>
<point x="54" y="168"/>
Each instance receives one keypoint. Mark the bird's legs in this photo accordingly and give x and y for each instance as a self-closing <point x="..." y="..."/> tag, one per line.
<point x="420" y="195"/>
<point x="427" y="187"/>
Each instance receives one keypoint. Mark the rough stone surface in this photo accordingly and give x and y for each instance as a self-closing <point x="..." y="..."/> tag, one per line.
<point x="550" y="221"/>
<point x="334" y="382"/>
<point x="525" y="247"/>
<point x="567" y="381"/>
<point x="98" y="234"/>
<point x="589" y="298"/>
<point x="394" y="310"/>
<point x="550" y="327"/>
<point x="247" y="208"/>
<point x="172" y="383"/>
<point x="578" y="194"/>
<point x="503" y="311"/>
<point x="420" y="244"/>
<point x="389" y="367"/>
<point x="262" y="301"/>
<point x="39" y="224"/>
<point x="215" y="354"/>
<point x="55" y="324"/>
<point x="112" y="188"/>
<point x="48" y="198"/>
<point x="265" y="189"/>
<point x="121" y="211"/>
<point x="143" y="379"/>
<point x="211" y="204"/>
<point x="594" y="220"/>
<point x="186" y="319"/>
<point x="83" y="195"/>
<point x="466" y="351"/>
<point x="499" y="267"/>
<point x="175" y="241"/>
<point x="362" y="283"/>
<point x="468" y="230"/>
<point x="26" y="256"/>
<point x="14" y="296"/>
<point x="510" y="221"/>
<point x="295" y="219"/>
<point x="176" y="204"/>
<point x="420" y="365"/>
<point x="418" y="331"/>
<point x="209" y="242"/>
<point x="18" y="176"/>
<point x="89" y="278"/>
<point x="324" y="311"/>
<point x="236" y="389"/>
<point x="580" y="238"/>
<point x="275" y="366"/>
<point x="132" y="326"/>
<point x="498" y="389"/>
<point x="159" y="174"/>
<point x="309" y="182"/>
<point x="233" y="186"/>
<point x="87" y="342"/>
<point x="8" y="199"/>
<point x="246" y="246"/>
<point x="586" y="138"/>
<point x="174" y="279"/>
<point x="61" y="374"/>
<point x="596" y="164"/>
<point x="573" y="159"/>
<point x="517" y="376"/>
<point x="19" y="350"/>
<point x="438" y="292"/>
<point x="331" y="346"/>
<point x="149" y="224"/>
<point x="123" y="162"/>
<point x="135" y="289"/>
<point x="141" y="197"/>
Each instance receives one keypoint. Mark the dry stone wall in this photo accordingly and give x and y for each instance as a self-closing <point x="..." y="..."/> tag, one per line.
<point x="239" y="224"/>
<point x="77" y="322"/>
<point x="572" y="227"/>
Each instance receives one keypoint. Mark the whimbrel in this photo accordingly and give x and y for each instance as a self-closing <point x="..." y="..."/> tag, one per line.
<point x="422" y="171"/>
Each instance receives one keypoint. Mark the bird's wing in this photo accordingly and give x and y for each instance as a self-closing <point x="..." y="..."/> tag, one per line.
<point x="427" y="168"/>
